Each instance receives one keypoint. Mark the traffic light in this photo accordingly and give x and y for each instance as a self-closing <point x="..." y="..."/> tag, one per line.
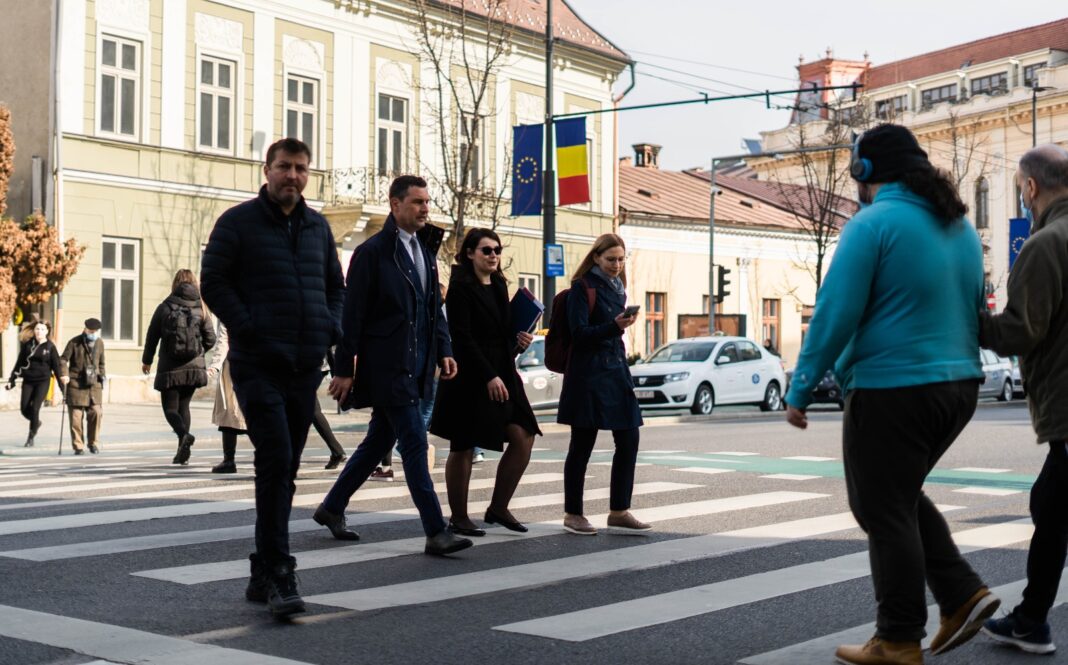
<point x="722" y="282"/>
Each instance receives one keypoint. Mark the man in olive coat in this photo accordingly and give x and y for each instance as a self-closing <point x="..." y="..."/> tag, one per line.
<point x="84" y="360"/>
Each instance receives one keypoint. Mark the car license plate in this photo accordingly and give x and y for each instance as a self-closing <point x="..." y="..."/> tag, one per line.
<point x="644" y="394"/>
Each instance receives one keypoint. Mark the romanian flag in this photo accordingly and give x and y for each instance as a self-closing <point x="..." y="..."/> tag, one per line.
<point x="572" y="170"/>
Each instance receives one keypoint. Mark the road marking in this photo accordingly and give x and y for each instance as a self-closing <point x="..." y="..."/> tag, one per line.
<point x="731" y="453"/>
<point x="236" y="569"/>
<point x="595" y="622"/>
<point x="212" y="507"/>
<point x="61" y="488"/>
<point x="118" y="644"/>
<point x="820" y="648"/>
<point x="702" y="469"/>
<point x="637" y="464"/>
<point x="988" y="491"/>
<point x="663" y="452"/>
<point x="637" y="557"/>
<point x="810" y="458"/>
<point x="790" y="476"/>
<point x="979" y="469"/>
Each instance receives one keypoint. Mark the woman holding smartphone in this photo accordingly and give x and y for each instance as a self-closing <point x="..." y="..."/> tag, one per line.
<point x="598" y="392"/>
<point x="486" y="405"/>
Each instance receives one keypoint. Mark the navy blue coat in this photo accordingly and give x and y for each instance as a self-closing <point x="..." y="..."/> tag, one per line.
<point x="278" y="294"/>
<point x="598" y="391"/>
<point x="378" y="324"/>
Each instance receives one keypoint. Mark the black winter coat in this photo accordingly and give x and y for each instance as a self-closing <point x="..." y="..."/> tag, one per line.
<point x="598" y="391"/>
<point x="379" y="338"/>
<point x="36" y="362"/>
<point x="483" y="337"/>
<point x="172" y="372"/>
<point x="278" y="294"/>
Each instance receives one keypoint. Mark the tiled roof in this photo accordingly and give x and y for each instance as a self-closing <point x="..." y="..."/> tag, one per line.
<point x="1053" y="35"/>
<point x="568" y="26"/>
<point x="782" y="195"/>
<point x="680" y="196"/>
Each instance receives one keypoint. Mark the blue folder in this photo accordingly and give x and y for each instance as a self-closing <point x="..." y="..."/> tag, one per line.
<point x="526" y="310"/>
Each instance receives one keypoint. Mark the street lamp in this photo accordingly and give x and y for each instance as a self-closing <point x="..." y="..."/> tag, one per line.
<point x="1035" y="89"/>
<point x="712" y="211"/>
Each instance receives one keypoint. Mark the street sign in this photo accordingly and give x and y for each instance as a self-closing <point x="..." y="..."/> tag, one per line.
<point x="554" y="260"/>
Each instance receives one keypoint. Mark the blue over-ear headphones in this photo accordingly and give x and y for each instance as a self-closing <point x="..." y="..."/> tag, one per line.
<point x="860" y="167"/>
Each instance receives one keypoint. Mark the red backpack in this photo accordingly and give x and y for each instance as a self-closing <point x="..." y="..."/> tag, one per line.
<point x="558" y="341"/>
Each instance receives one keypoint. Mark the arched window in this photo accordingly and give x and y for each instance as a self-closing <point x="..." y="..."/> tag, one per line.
<point x="982" y="204"/>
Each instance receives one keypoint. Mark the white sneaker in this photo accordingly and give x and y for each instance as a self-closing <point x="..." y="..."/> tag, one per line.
<point x="478" y="459"/>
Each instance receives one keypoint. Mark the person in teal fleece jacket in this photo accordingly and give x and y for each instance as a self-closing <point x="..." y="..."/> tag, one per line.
<point x="897" y="316"/>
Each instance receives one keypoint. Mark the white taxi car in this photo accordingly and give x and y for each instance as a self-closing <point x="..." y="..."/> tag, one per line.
<point x="701" y="372"/>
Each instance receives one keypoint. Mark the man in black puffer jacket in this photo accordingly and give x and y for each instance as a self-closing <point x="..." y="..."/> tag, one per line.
<point x="272" y="275"/>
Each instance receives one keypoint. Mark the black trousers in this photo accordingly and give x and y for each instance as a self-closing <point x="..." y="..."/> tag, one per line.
<point x="1049" y="544"/>
<point x="891" y="440"/>
<point x="578" y="458"/>
<point x="278" y="410"/>
<point x="176" y="408"/>
<point x="33" y="395"/>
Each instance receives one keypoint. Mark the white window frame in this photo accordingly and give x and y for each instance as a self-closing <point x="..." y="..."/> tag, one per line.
<point x="391" y="127"/>
<point x="479" y="139"/>
<point x="301" y="107"/>
<point x="532" y="282"/>
<point x="119" y="274"/>
<point x="120" y="74"/>
<point x="215" y="91"/>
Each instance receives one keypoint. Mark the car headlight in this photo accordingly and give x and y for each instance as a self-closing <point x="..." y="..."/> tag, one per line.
<point x="677" y="376"/>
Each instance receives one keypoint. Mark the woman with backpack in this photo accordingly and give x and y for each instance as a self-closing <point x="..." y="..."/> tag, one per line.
<point x="183" y="331"/>
<point x="38" y="361"/>
<point x="486" y="405"/>
<point x="598" y="392"/>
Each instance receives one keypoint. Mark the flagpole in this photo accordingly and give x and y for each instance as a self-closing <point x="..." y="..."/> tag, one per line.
<point x="549" y="201"/>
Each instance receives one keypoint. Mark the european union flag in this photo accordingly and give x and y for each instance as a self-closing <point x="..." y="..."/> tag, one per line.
<point x="527" y="188"/>
<point x="1019" y="232"/>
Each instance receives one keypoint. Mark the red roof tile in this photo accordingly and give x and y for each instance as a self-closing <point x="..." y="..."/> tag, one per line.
<point x="1052" y="35"/>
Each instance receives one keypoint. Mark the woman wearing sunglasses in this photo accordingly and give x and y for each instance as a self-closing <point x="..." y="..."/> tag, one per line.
<point x="485" y="405"/>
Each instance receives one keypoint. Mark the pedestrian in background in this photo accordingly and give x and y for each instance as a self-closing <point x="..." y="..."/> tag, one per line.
<point x="184" y="333"/>
<point x="85" y="373"/>
<point x="598" y="392"/>
<point x="37" y="362"/>
<point x="271" y="274"/>
<point x="898" y="312"/>
<point x="486" y="403"/>
<point x="394" y="335"/>
<point x="1034" y="326"/>
<point x="322" y="425"/>
<point x="226" y="413"/>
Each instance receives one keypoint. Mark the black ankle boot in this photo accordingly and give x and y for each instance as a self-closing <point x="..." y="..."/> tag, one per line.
<point x="29" y="439"/>
<point x="258" y="581"/>
<point x="227" y="465"/>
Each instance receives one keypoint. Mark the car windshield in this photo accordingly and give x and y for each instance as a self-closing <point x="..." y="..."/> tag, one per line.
<point x="685" y="352"/>
<point x="534" y="356"/>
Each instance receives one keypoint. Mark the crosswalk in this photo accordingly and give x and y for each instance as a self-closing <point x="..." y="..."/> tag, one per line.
<point x="750" y="531"/>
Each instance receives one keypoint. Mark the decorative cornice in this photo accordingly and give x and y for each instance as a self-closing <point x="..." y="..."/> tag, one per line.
<point x="215" y="32"/>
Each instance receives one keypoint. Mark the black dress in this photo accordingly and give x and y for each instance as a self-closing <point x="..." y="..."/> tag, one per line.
<point x="484" y="346"/>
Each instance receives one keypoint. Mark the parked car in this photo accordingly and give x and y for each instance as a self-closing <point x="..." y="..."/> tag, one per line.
<point x="541" y="385"/>
<point x="827" y="391"/>
<point x="701" y="372"/>
<point x="1018" y="388"/>
<point x="997" y="376"/>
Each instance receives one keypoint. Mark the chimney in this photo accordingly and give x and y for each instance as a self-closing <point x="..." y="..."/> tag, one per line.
<point x="626" y="161"/>
<point x="646" y="155"/>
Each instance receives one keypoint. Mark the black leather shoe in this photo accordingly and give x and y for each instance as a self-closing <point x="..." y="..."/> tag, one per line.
<point x="336" y="524"/>
<point x="225" y="466"/>
<point x="79" y="451"/>
<point x="93" y="449"/>
<point x="334" y="461"/>
<point x="476" y="532"/>
<point x="182" y="457"/>
<point x="444" y="542"/>
<point x="493" y="518"/>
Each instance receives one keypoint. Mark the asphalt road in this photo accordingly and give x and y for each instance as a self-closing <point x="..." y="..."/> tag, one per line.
<point x="122" y="558"/>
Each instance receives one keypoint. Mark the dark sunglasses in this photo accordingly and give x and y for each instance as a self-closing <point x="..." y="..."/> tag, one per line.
<point x="486" y="251"/>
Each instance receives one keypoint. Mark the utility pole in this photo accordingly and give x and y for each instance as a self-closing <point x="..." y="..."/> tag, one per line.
<point x="549" y="201"/>
<point x="1035" y="89"/>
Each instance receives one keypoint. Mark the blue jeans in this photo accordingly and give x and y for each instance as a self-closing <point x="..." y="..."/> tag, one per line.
<point x="403" y="424"/>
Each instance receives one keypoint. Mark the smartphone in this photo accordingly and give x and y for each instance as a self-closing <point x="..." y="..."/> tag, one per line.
<point x="631" y="310"/>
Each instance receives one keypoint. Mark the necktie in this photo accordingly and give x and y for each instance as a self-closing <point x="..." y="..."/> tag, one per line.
<point x="417" y="259"/>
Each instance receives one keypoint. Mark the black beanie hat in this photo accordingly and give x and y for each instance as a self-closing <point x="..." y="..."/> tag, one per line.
<point x="892" y="151"/>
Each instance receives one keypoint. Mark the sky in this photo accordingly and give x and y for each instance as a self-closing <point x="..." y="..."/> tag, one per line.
<point x="744" y="45"/>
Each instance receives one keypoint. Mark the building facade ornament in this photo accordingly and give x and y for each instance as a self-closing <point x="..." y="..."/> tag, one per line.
<point x="129" y="15"/>
<point x="303" y="54"/>
<point x="214" y="32"/>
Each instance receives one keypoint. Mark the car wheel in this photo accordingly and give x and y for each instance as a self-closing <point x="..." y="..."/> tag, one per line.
<point x="1006" y="392"/>
<point x="772" y="398"/>
<point x="703" y="401"/>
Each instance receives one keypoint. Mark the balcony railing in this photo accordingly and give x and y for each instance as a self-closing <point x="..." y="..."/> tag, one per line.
<point x="360" y="185"/>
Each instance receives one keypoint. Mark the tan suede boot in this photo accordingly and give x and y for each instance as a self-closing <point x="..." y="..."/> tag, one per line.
<point x="880" y="652"/>
<point x="963" y="624"/>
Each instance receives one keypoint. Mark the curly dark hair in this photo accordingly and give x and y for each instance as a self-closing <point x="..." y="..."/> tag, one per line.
<point x="936" y="185"/>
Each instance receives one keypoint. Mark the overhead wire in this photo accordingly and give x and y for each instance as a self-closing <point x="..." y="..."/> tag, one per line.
<point x="712" y="65"/>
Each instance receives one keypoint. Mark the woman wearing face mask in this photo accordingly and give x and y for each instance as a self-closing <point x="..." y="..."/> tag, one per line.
<point x="38" y="361"/>
<point x="598" y="392"/>
<point x="486" y="405"/>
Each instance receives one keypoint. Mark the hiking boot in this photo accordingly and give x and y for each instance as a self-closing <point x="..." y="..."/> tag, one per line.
<point x="963" y="624"/>
<point x="258" y="581"/>
<point x="627" y="523"/>
<point x="283" y="599"/>
<point x="878" y="651"/>
<point x="579" y="525"/>
<point x="1020" y="633"/>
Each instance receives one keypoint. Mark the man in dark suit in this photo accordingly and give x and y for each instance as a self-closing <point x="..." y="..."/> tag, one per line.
<point x="272" y="276"/>
<point x="393" y="334"/>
